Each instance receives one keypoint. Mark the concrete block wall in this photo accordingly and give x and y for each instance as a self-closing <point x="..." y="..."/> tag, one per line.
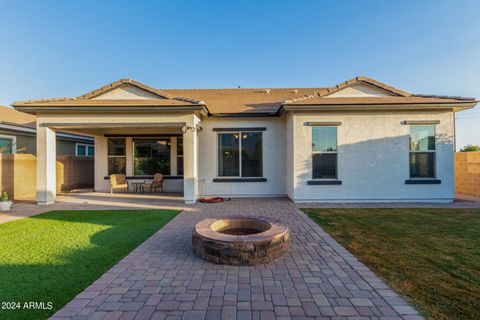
<point x="467" y="173"/>
<point x="18" y="173"/>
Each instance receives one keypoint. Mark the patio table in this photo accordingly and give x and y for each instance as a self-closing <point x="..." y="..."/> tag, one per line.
<point x="138" y="186"/>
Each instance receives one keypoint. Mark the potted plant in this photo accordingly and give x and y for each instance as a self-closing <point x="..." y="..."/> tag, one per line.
<point x="5" y="204"/>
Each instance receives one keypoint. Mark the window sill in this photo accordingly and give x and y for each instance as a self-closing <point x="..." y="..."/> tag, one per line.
<point x="240" y="180"/>
<point x="423" y="181"/>
<point x="323" y="182"/>
<point x="147" y="177"/>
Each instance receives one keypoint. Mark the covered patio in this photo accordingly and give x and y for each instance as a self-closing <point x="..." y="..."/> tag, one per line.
<point x="137" y="150"/>
<point x="138" y="131"/>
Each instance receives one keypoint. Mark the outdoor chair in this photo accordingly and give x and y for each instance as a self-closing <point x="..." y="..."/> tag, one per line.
<point x="118" y="181"/>
<point x="157" y="182"/>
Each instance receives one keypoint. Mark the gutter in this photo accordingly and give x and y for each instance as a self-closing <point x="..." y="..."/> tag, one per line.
<point x="67" y="108"/>
<point x="32" y="132"/>
<point x="350" y="107"/>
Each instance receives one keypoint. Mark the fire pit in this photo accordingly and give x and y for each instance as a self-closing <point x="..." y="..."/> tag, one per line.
<point x="241" y="240"/>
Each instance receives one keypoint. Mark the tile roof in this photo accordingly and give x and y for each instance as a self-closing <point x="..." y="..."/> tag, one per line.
<point x="363" y="79"/>
<point x="14" y="117"/>
<point x="254" y="101"/>
<point x="118" y="83"/>
<point x="244" y="100"/>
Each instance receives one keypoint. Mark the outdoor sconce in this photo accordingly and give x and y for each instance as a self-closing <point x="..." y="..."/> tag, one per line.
<point x="193" y="129"/>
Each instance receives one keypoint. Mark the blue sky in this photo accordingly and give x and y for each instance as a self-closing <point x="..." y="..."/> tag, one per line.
<point x="66" y="48"/>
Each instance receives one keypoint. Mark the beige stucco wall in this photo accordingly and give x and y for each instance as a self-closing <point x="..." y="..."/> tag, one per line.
<point x="373" y="157"/>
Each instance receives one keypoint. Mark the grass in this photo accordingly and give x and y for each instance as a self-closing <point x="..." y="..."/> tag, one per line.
<point x="53" y="256"/>
<point x="431" y="256"/>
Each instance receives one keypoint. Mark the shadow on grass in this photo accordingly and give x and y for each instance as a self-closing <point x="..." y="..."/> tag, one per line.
<point x="68" y="250"/>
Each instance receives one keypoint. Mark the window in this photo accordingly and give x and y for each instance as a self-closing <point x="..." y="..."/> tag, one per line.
<point x="7" y="144"/>
<point x="151" y="155"/>
<point x="324" y="152"/>
<point x="117" y="160"/>
<point x="180" y="156"/>
<point x="84" y="150"/>
<point x="422" y="151"/>
<point x="240" y="154"/>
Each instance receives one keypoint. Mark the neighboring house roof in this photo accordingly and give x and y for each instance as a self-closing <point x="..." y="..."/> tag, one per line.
<point x="14" y="117"/>
<point x="252" y="101"/>
<point x="13" y="120"/>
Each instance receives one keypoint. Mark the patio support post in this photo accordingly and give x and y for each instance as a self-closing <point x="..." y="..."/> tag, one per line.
<point x="46" y="165"/>
<point x="190" y="159"/>
<point x="173" y="156"/>
<point x="101" y="163"/>
<point x="129" y="156"/>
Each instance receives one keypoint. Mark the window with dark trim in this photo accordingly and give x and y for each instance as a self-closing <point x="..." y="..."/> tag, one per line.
<point x="117" y="160"/>
<point x="180" y="156"/>
<point x="324" y="152"/>
<point x="422" y="151"/>
<point x="151" y="155"/>
<point x="240" y="154"/>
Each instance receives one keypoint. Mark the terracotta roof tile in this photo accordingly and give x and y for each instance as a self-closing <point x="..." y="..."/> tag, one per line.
<point x="245" y="100"/>
<point x="12" y="116"/>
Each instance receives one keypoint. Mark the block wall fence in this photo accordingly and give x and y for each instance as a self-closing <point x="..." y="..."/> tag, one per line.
<point x="467" y="173"/>
<point x="18" y="174"/>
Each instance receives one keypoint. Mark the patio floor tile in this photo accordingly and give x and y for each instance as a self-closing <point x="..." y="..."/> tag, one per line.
<point x="163" y="279"/>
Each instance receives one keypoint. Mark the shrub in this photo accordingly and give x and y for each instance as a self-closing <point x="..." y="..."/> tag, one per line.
<point x="469" y="148"/>
<point x="4" y="196"/>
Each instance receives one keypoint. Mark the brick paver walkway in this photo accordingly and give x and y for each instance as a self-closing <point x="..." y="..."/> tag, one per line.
<point x="163" y="279"/>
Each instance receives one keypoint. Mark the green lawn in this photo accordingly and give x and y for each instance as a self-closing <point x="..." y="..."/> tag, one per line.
<point x="431" y="256"/>
<point x="53" y="256"/>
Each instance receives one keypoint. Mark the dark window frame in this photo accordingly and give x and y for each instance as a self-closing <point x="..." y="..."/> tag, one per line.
<point x="233" y="131"/>
<point x="433" y="152"/>
<point x="153" y="139"/>
<point x="117" y="156"/>
<point x="180" y="156"/>
<point x="330" y="125"/>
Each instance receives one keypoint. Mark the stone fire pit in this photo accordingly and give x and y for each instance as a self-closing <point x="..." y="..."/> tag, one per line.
<point x="241" y="240"/>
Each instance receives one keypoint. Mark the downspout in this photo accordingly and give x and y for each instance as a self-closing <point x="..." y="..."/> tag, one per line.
<point x="454" y="133"/>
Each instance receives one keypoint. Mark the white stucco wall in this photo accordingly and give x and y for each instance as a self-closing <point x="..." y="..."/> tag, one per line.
<point x="126" y="92"/>
<point x="359" y="90"/>
<point x="289" y="156"/>
<point x="273" y="159"/>
<point x="373" y="157"/>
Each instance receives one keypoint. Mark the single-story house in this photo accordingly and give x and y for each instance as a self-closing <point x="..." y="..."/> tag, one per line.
<point x="360" y="140"/>
<point x="18" y="131"/>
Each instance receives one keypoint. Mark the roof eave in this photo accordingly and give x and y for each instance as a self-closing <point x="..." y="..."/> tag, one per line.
<point x="34" y="109"/>
<point x="456" y="106"/>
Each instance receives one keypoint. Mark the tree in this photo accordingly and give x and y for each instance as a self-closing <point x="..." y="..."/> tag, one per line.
<point x="469" y="148"/>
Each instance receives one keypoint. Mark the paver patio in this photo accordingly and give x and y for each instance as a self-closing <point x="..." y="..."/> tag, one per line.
<point x="163" y="279"/>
